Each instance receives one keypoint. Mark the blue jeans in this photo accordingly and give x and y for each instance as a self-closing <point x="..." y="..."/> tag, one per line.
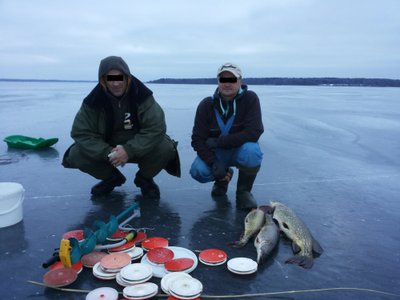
<point x="248" y="155"/>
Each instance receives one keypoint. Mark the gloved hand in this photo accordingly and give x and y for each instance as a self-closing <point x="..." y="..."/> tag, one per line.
<point x="212" y="143"/>
<point x="219" y="170"/>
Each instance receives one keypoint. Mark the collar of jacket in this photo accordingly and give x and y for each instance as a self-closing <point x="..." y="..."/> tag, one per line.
<point x="215" y="98"/>
<point x="99" y="100"/>
<point x="243" y="87"/>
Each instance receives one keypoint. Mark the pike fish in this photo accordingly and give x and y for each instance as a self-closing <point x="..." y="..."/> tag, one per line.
<point x="266" y="239"/>
<point x="303" y="243"/>
<point x="253" y="222"/>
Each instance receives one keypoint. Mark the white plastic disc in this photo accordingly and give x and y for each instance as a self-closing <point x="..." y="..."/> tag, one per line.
<point x="103" y="293"/>
<point x="186" y="287"/>
<point x="136" y="272"/>
<point x="169" y="278"/>
<point x="141" y="291"/>
<point x="242" y="265"/>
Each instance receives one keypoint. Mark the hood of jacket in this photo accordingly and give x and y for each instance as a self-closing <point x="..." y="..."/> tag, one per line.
<point x="113" y="63"/>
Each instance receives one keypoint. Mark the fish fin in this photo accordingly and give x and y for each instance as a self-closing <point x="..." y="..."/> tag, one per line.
<point x="303" y="261"/>
<point x="316" y="247"/>
<point x="237" y="244"/>
<point x="296" y="249"/>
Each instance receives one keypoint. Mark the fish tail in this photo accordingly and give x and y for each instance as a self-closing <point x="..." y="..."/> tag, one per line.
<point x="303" y="261"/>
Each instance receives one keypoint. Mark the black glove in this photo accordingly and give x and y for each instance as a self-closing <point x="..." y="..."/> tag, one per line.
<point x="212" y="143"/>
<point x="219" y="170"/>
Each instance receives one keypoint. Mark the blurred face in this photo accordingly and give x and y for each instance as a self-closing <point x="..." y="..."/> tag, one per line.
<point x="116" y="82"/>
<point x="228" y="85"/>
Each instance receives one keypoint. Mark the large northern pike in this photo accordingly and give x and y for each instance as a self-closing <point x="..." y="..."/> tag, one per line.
<point x="266" y="239"/>
<point x="294" y="228"/>
<point x="253" y="222"/>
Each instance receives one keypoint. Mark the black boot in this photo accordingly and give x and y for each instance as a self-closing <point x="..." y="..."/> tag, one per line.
<point x="148" y="187"/>
<point x="220" y="188"/>
<point x="244" y="198"/>
<point x="106" y="186"/>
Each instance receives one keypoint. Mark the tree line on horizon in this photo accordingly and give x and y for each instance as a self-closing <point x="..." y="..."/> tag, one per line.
<point x="310" y="81"/>
<point x="375" y="82"/>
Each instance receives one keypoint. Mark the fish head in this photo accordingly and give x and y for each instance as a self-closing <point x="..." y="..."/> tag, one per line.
<point x="255" y="217"/>
<point x="283" y="218"/>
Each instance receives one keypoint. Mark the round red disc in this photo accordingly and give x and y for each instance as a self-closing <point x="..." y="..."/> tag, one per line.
<point x="115" y="261"/>
<point x="58" y="265"/>
<point x="140" y="237"/>
<point x="154" y="242"/>
<point x="213" y="256"/>
<point x="60" y="277"/>
<point x="92" y="258"/>
<point x="179" y="264"/>
<point x="119" y="235"/>
<point x="160" y="255"/>
<point x="78" y="234"/>
<point x="124" y="247"/>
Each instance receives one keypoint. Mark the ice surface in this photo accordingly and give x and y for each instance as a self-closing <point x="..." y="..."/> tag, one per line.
<point x="330" y="153"/>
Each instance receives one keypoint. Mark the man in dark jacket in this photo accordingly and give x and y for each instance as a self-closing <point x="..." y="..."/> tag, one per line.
<point x="226" y="130"/>
<point x="120" y="122"/>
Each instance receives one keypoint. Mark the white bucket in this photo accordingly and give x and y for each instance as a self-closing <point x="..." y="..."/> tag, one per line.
<point x="11" y="199"/>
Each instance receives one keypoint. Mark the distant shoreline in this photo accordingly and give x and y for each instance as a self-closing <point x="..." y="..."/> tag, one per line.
<point x="317" y="81"/>
<point x="42" y="80"/>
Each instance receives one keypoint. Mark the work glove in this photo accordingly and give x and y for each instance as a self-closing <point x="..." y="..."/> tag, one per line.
<point x="219" y="170"/>
<point x="212" y="143"/>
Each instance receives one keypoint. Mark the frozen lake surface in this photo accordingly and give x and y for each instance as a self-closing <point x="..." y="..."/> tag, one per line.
<point x="330" y="153"/>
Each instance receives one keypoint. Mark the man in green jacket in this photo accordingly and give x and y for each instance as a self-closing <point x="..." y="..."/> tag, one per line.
<point x="120" y="122"/>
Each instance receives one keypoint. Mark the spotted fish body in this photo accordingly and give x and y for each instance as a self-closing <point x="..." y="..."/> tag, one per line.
<point x="294" y="228"/>
<point x="266" y="239"/>
<point x="253" y="222"/>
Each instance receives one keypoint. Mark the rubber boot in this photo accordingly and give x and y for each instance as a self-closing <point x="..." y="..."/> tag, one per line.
<point x="244" y="198"/>
<point x="106" y="186"/>
<point x="220" y="188"/>
<point x="148" y="187"/>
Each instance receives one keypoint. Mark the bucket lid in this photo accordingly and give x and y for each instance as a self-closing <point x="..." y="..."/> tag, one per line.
<point x="10" y="188"/>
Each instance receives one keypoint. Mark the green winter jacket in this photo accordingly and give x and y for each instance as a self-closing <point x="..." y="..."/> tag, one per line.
<point x="93" y="132"/>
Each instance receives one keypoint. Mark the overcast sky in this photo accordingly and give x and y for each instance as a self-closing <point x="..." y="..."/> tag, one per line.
<point x="45" y="39"/>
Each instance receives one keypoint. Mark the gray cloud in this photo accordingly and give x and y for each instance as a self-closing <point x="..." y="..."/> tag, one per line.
<point x="308" y="38"/>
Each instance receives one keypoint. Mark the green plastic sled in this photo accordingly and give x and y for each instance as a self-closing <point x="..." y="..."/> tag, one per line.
<point x="26" y="142"/>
